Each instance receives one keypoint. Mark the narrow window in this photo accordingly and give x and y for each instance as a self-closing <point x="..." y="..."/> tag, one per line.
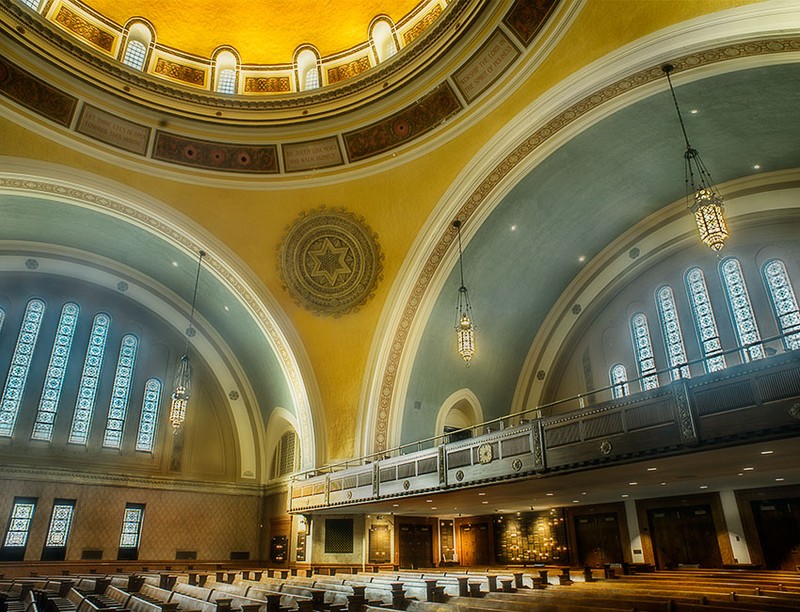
<point x="312" y="79"/>
<point x="673" y="337"/>
<point x="741" y="310"/>
<point x="644" y="351"/>
<point x="383" y="39"/>
<point x="146" y="436"/>
<point x="307" y="70"/>
<point x="227" y="81"/>
<point x="32" y="4"/>
<point x="287" y="457"/>
<point x="784" y="302"/>
<point x="131" y="532"/>
<point x="20" y="364"/>
<point x="19" y="525"/>
<point x="82" y="419"/>
<point x="619" y="381"/>
<point x="55" y="546"/>
<point x="56" y="371"/>
<point x="121" y="392"/>
<point x="704" y="322"/>
<point x="135" y="54"/>
<point x="2" y="318"/>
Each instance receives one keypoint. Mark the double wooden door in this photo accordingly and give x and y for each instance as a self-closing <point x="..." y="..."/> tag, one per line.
<point x="778" y="524"/>
<point x="598" y="539"/>
<point x="475" y="544"/>
<point x="684" y="536"/>
<point x="416" y="546"/>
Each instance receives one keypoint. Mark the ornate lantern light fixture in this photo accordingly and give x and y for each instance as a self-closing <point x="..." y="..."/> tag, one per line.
<point x="183" y="376"/>
<point x="465" y="327"/>
<point x="701" y="195"/>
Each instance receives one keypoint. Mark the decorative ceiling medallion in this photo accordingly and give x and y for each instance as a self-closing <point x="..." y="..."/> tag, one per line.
<point x="330" y="261"/>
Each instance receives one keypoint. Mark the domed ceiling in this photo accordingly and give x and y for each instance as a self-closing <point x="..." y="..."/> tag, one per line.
<point x="262" y="32"/>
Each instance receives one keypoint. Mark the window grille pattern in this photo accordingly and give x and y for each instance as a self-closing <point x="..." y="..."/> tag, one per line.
<point x="82" y="419"/>
<point x="20" y="522"/>
<point x="312" y="79"/>
<point x="288" y="444"/>
<point x="56" y="371"/>
<point x="644" y="351"/>
<point x="704" y="321"/>
<point x="131" y="526"/>
<point x="60" y="522"/>
<point x="121" y="392"/>
<point x="19" y="367"/>
<point x="784" y="302"/>
<point x="32" y="4"/>
<point x="739" y="301"/>
<point x="673" y="337"/>
<point x="135" y="54"/>
<point x="338" y="535"/>
<point x="145" y="438"/>
<point x="391" y="47"/>
<point x="619" y="381"/>
<point x="227" y="81"/>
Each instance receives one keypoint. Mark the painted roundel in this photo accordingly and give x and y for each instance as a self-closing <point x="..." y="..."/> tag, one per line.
<point x="330" y="261"/>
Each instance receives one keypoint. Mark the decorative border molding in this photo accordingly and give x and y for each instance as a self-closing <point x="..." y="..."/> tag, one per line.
<point x="496" y="178"/>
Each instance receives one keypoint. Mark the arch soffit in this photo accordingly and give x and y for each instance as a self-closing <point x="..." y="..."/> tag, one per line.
<point x="185" y="238"/>
<point x="463" y="398"/>
<point x="616" y="81"/>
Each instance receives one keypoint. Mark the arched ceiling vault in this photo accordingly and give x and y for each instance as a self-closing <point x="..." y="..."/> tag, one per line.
<point x="597" y="168"/>
<point x="242" y="333"/>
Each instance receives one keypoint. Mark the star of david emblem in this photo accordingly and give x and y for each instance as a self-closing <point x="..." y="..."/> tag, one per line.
<point x="328" y="262"/>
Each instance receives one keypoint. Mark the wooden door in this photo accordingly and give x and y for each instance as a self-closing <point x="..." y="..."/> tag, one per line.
<point x="598" y="539"/>
<point x="684" y="536"/>
<point x="379" y="544"/>
<point x="778" y="524"/>
<point x="416" y="546"/>
<point x="475" y="544"/>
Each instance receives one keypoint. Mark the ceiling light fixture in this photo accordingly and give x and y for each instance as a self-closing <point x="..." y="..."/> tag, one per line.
<point x="183" y="377"/>
<point x="465" y="328"/>
<point x="706" y="204"/>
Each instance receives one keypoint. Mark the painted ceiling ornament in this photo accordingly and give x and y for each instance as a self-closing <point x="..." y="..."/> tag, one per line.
<point x="330" y="261"/>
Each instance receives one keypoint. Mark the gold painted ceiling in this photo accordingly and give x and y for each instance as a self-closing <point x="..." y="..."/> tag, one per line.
<point x="262" y="31"/>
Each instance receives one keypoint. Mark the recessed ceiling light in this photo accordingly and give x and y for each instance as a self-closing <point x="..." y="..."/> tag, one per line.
<point x="767" y="452"/>
<point x="779" y="479"/>
<point x="583" y="493"/>
<point x="652" y="469"/>
<point x="576" y="501"/>
<point x="484" y="502"/>
<point x="482" y="493"/>
<point x="748" y="469"/>
<point x="434" y="508"/>
<point x="550" y="494"/>
<point x="396" y="505"/>
<point x="694" y="111"/>
<point x="582" y="258"/>
<point x="756" y="166"/>
<point x="633" y="484"/>
<point x="624" y="495"/>
<point x="663" y="484"/>
<point x="741" y="474"/>
<point x="703" y="486"/>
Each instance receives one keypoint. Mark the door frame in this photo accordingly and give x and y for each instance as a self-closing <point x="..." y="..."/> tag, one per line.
<point x="743" y="499"/>
<point x="618" y="508"/>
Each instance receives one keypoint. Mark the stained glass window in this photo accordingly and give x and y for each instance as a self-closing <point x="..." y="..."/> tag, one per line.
<point x="135" y="54"/>
<point x="741" y="309"/>
<point x="704" y="322"/>
<point x="121" y="392"/>
<point x="131" y="526"/>
<point x="82" y="419"/>
<point x="56" y="370"/>
<point x="644" y="351"/>
<point x="784" y="302"/>
<point x="227" y="81"/>
<point x="673" y="337"/>
<point x="20" y="364"/>
<point x="145" y="438"/>
<point x="619" y="380"/>
<point x="19" y="523"/>
<point x="60" y="522"/>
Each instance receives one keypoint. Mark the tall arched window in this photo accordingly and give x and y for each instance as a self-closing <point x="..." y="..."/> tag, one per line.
<point x="619" y="380"/>
<point x="644" y="351"/>
<point x="56" y="371"/>
<point x="146" y="436"/>
<point x="225" y="66"/>
<point x="741" y="309"/>
<point x="673" y="337"/>
<point x="383" y="39"/>
<point x="307" y="70"/>
<point x="784" y="302"/>
<point x="287" y="455"/>
<point x="139" y="39"/>
<point x="19" y="366"/>
<point x="87" y="391"/>
<point x="118" y="408"/>
<point x="704" y="322"/>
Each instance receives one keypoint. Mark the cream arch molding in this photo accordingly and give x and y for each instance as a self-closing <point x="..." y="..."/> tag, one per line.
<point x="459" y="397"/>
<point x="754" y="35"/>
<point x="49" y="181"/>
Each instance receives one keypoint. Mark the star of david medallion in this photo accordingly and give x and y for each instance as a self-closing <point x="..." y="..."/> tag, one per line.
<point x="330" y="261"/>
